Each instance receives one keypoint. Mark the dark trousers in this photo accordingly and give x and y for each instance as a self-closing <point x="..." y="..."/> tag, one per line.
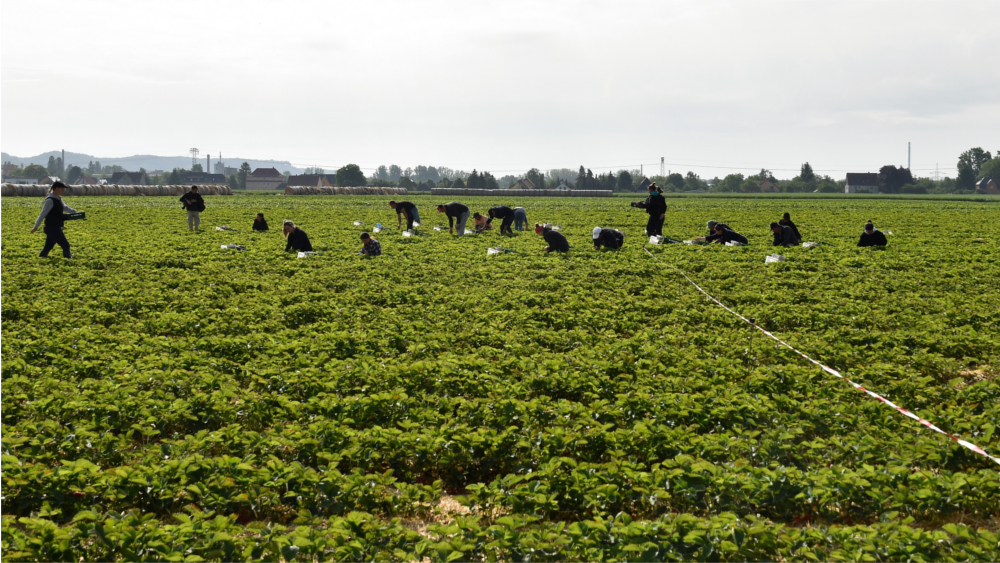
<point x="505" y="225"/>
<point x="654" y="226"/>
<point x="53" y="238"/>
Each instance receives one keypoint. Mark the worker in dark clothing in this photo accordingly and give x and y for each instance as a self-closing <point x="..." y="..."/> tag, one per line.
<point x="458" y="216"/>
<point x="724" y="234"/>
<point x="501" y="212"/>
<point x="556" y="241"/>
<point x="872" y="236"/>
<point x="783" y="235"/>
<point x="656" y="207"/>
<point x="786" y="220"/>
<point x="259" y="223"/>
<point x="52" y="215"/>
<point x="609" y="238"/>
<point x="711" y="233"/>
<point x="193" y="202"/>
<point x="410" y="210"/>
<point x="296" y="237"/>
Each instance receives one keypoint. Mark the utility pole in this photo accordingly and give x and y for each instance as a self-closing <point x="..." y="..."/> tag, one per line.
<point x="907" y="155"/>
<point x="662" y="165"/>
<point x="194" y="157"/>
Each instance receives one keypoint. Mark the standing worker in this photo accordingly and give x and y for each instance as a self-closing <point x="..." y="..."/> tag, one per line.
<point x="786" y="220"/>
<point x="656" y="206"/>
<point x="52" y="214"/>
<point x="872" y="236"/>
<point x="458" y="215"/>
<point x="609" y="238"/>
<point x="194" y="204"/>
<point x="520" y="219"/>
<point x="297" y="239"/>
<point x="557" y="242"/>
<point x="405" y="208"/>
<point x="501" y="212"/>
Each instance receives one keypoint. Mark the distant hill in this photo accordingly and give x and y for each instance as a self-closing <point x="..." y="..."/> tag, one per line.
<point x="147" y="161"/>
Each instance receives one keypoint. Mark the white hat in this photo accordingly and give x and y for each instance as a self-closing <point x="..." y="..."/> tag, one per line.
<point x="597" y="232"/>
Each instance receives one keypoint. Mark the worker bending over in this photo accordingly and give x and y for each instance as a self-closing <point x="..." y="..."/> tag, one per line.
<point x="724" y="234"/>
<point x="556" y="241"/>
<point x="608" y="238"/>
<point x="458" y="215"/>
<point x="783" y="235"/>
<point x="405" y="208"/>
<point x="504" y="213"/>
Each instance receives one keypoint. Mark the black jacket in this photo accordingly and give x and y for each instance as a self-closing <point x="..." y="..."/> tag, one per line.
<point x="192" y="201"/>
<point x="611" y="238"/>
<point x="788" y="223"/>
<point x="729" y="235"/>
<point x="713" y="236"/>
<point x="556" y="241"/>
<point x="785" y="237"/>
<point x="54" y="220"/>
<point x="500" y="212"/>
<point x="260" y="225"/>
<point x="298" y="240"/>
<point x="405" y="205"/>
<point x="874" y="239"/>
<point x="453" y="210"/>
<point x="655" y="204"/>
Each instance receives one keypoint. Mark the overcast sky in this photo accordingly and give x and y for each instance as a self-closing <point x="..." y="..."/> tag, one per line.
<point x="710" y="86"/>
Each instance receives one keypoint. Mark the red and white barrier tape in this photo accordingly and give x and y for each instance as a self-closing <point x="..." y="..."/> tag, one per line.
<point x="830" y="370"/>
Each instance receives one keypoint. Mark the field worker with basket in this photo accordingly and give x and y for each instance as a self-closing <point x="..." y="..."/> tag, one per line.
<point x="656" y="207"/>
<point x="458" y="215"/>
<point x="608" y="238"/>
<point x="194" y="204"/>
<point x="53" y="214"/>
<point x="783" y="235"/>
<point x="297" y="239"/>
<point x="406" y="208"/>
<point x="370" y="246"/>
<point x="557" y="242"/>
<point x="505" y="214"/>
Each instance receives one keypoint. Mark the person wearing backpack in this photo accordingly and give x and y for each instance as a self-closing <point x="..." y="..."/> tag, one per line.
<point x="194" y="204"/>
<point x="52" y="215"/>
<point x="608" y="238"/>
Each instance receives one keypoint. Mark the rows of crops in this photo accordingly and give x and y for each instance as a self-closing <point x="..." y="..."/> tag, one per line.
<point x="164" y="399"/>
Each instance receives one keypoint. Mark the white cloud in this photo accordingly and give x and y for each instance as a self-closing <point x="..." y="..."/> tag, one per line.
<point x="504" y="85"/>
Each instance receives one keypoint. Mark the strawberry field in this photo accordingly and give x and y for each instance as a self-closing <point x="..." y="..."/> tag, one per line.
<point x="167" y="399"/>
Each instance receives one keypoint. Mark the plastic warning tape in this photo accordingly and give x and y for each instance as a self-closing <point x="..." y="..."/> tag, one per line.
<point x="830" y="370"/>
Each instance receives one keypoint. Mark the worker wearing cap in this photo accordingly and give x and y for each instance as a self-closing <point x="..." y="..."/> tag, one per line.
<point x="608" y="238"/>
<point x="711" y="233"/>
<point x="52" y="215"/>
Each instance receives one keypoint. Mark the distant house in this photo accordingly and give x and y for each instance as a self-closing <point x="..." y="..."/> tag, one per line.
<point x="129" y="179"/>
<point x="308" y="180"/>
<point x="202" y="178"/>
<point x="49" y="180"/>
<point x="267" y="179"/>
<point x="987" y="186"/>
<point x="767" y="186"/>
<point x="523" y="184"/>
<point x="563" y="186"/>
<point x="644" y="185"/>
<point x="861" y="182"/>
<point x="88" y="181"/>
